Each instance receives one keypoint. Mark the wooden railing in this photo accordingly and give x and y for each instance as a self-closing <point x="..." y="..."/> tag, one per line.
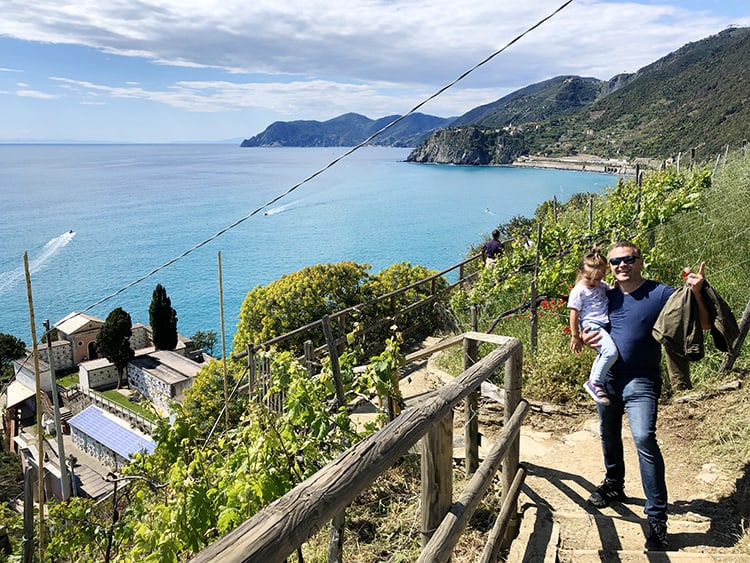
<point x="277" y="531"/>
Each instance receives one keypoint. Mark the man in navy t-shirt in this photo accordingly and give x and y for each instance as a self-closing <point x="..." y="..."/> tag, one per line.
<point x="492" y="249"/>
<point x="634" y="384"/>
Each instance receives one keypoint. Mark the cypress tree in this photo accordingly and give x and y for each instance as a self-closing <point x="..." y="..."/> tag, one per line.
<point x="163" y="319"/>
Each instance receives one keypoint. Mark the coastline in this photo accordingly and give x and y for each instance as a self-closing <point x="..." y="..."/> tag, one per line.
<point x="583" y="163"/>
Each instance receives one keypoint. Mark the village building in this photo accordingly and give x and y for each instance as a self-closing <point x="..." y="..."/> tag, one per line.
<point x="107" y="438"/>
<point x="79" y="330"/>
<point x="102" y="438"/>
<point x="162" y="377"/>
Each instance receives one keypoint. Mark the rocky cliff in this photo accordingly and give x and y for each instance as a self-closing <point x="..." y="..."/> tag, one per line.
<point x="468" y="145"/>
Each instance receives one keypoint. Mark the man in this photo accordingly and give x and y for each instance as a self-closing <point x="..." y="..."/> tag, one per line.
<point x="492" y="249"/>
<point x="634" y="384"/>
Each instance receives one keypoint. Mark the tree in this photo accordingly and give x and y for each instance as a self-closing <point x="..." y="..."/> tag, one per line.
<point x="163" y="319"/>
<point x="297" y="299"/>
<point x="113" y="340"/>
<point x="205" y="340"/>
<point x="11" y="348"/>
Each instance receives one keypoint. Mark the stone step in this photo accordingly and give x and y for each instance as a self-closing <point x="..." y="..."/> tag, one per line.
<point x="625" y="532"/>
<point x="602" y="556"/>
<point x="570" y="537"/>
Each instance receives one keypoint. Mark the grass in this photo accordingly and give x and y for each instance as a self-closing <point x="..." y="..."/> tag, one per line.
<point x="116" y="397"/>
<point x="68" y="381"/>
<point x="113" y="395"/>
<point x="384" y="522"/>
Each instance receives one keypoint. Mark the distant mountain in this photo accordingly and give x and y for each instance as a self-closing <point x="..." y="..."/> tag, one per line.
<point x="695" y="99"/>
<point x="551" y="98"/>
<point x="348" y="130"/>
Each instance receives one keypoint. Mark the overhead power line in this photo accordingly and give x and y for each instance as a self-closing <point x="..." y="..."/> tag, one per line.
<point x="330" y="164"/>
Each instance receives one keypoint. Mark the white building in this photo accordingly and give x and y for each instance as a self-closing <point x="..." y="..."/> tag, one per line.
<point x="162" y="377"/>
<point x="107" y="438"/>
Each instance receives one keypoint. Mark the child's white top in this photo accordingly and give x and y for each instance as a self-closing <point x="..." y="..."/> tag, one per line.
<point x="592" y="303"/>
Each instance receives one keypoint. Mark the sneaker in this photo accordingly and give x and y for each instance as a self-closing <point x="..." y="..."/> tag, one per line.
<point x="597" y="392"/>
<point x="606" y="493"/>
<point x="656" y="540"/>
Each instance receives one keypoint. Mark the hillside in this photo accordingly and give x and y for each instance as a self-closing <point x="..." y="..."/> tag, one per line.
<point x="551" y="98"/>
<point x="695" y="98"/>
<point x="348" y="130"/>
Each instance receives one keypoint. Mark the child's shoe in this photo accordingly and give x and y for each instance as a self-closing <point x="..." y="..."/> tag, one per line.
<point x="597" y="392"/>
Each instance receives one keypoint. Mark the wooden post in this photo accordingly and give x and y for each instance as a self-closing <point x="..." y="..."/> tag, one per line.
<point x="342" y="330"/>
<point x="445" y="538"/>
<point x="28" y="511"/>
<point x="334" y="358"/>
<point x="507" y="513"/>
<point x="309" y="358"/>
<point x="437" y="475"/>
<point x="336" y="541"/>
<point x="471" y="402"/>
<point x="534" y="294"/>
<point x="554" y="208"/>
<point x="252" y="376"/>
<point x="513" y="371"/>
<point x="223" y="347"/>
<point x="39" y="391"/>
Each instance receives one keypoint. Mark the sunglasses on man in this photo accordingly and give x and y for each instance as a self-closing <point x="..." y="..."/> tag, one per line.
<point x="627" y="259"/>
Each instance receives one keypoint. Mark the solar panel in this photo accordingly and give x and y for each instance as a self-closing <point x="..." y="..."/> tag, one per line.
<point x="117" y="437"/>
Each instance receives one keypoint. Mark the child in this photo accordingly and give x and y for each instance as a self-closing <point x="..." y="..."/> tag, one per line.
<point x="588" y="309"/>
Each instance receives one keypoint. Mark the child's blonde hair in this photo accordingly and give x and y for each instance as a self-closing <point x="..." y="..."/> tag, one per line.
<point x="594" y="260"/>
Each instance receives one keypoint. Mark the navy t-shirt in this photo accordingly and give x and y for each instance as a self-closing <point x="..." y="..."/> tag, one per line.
<point x="632" y="316"/>
<point x="492" y="248"/>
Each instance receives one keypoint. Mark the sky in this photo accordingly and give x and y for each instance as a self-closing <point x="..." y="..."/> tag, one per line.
<point x="160" y="71"/>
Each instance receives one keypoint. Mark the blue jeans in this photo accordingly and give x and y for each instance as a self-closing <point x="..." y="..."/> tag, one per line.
<point x="639" y="397"/>
<point x="606" y="353"/>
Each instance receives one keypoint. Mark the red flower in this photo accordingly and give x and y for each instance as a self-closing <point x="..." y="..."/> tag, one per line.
<point x="566" y="330"/>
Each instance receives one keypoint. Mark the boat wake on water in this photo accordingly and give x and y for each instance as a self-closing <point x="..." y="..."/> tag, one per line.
<point x="279" y="209"/>
<point x="50" y="249"/>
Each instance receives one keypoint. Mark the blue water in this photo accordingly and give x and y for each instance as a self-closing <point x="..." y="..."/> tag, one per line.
<point x="133" y="208"/>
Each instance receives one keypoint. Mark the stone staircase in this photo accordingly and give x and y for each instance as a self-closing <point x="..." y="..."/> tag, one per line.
<point x="558" y="525"/>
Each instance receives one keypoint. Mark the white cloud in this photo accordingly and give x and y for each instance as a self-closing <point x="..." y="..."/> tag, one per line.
<point x="35" y="94"/>
<point x="401" y="41"/>
<point x="316" y="59"/>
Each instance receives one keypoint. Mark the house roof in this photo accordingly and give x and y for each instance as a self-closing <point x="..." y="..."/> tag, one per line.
<point x="75" y="322"/>
<point x="111" y="432"/>
<point x="170" y="367"/>
<point x="96" y="363"/>
<point x="17" y="393"/>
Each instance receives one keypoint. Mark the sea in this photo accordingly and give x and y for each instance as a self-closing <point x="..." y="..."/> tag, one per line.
<point x="99" y="226"/>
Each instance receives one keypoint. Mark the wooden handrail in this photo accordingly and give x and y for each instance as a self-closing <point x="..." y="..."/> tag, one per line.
<point x="441" y="545"/>
<point x="279" y="529"/>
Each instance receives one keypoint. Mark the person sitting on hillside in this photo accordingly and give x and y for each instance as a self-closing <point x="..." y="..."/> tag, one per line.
<point x="492" y="249"/>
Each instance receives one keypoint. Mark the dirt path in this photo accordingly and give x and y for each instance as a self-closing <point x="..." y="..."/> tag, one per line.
<point x="562" y="452"/>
